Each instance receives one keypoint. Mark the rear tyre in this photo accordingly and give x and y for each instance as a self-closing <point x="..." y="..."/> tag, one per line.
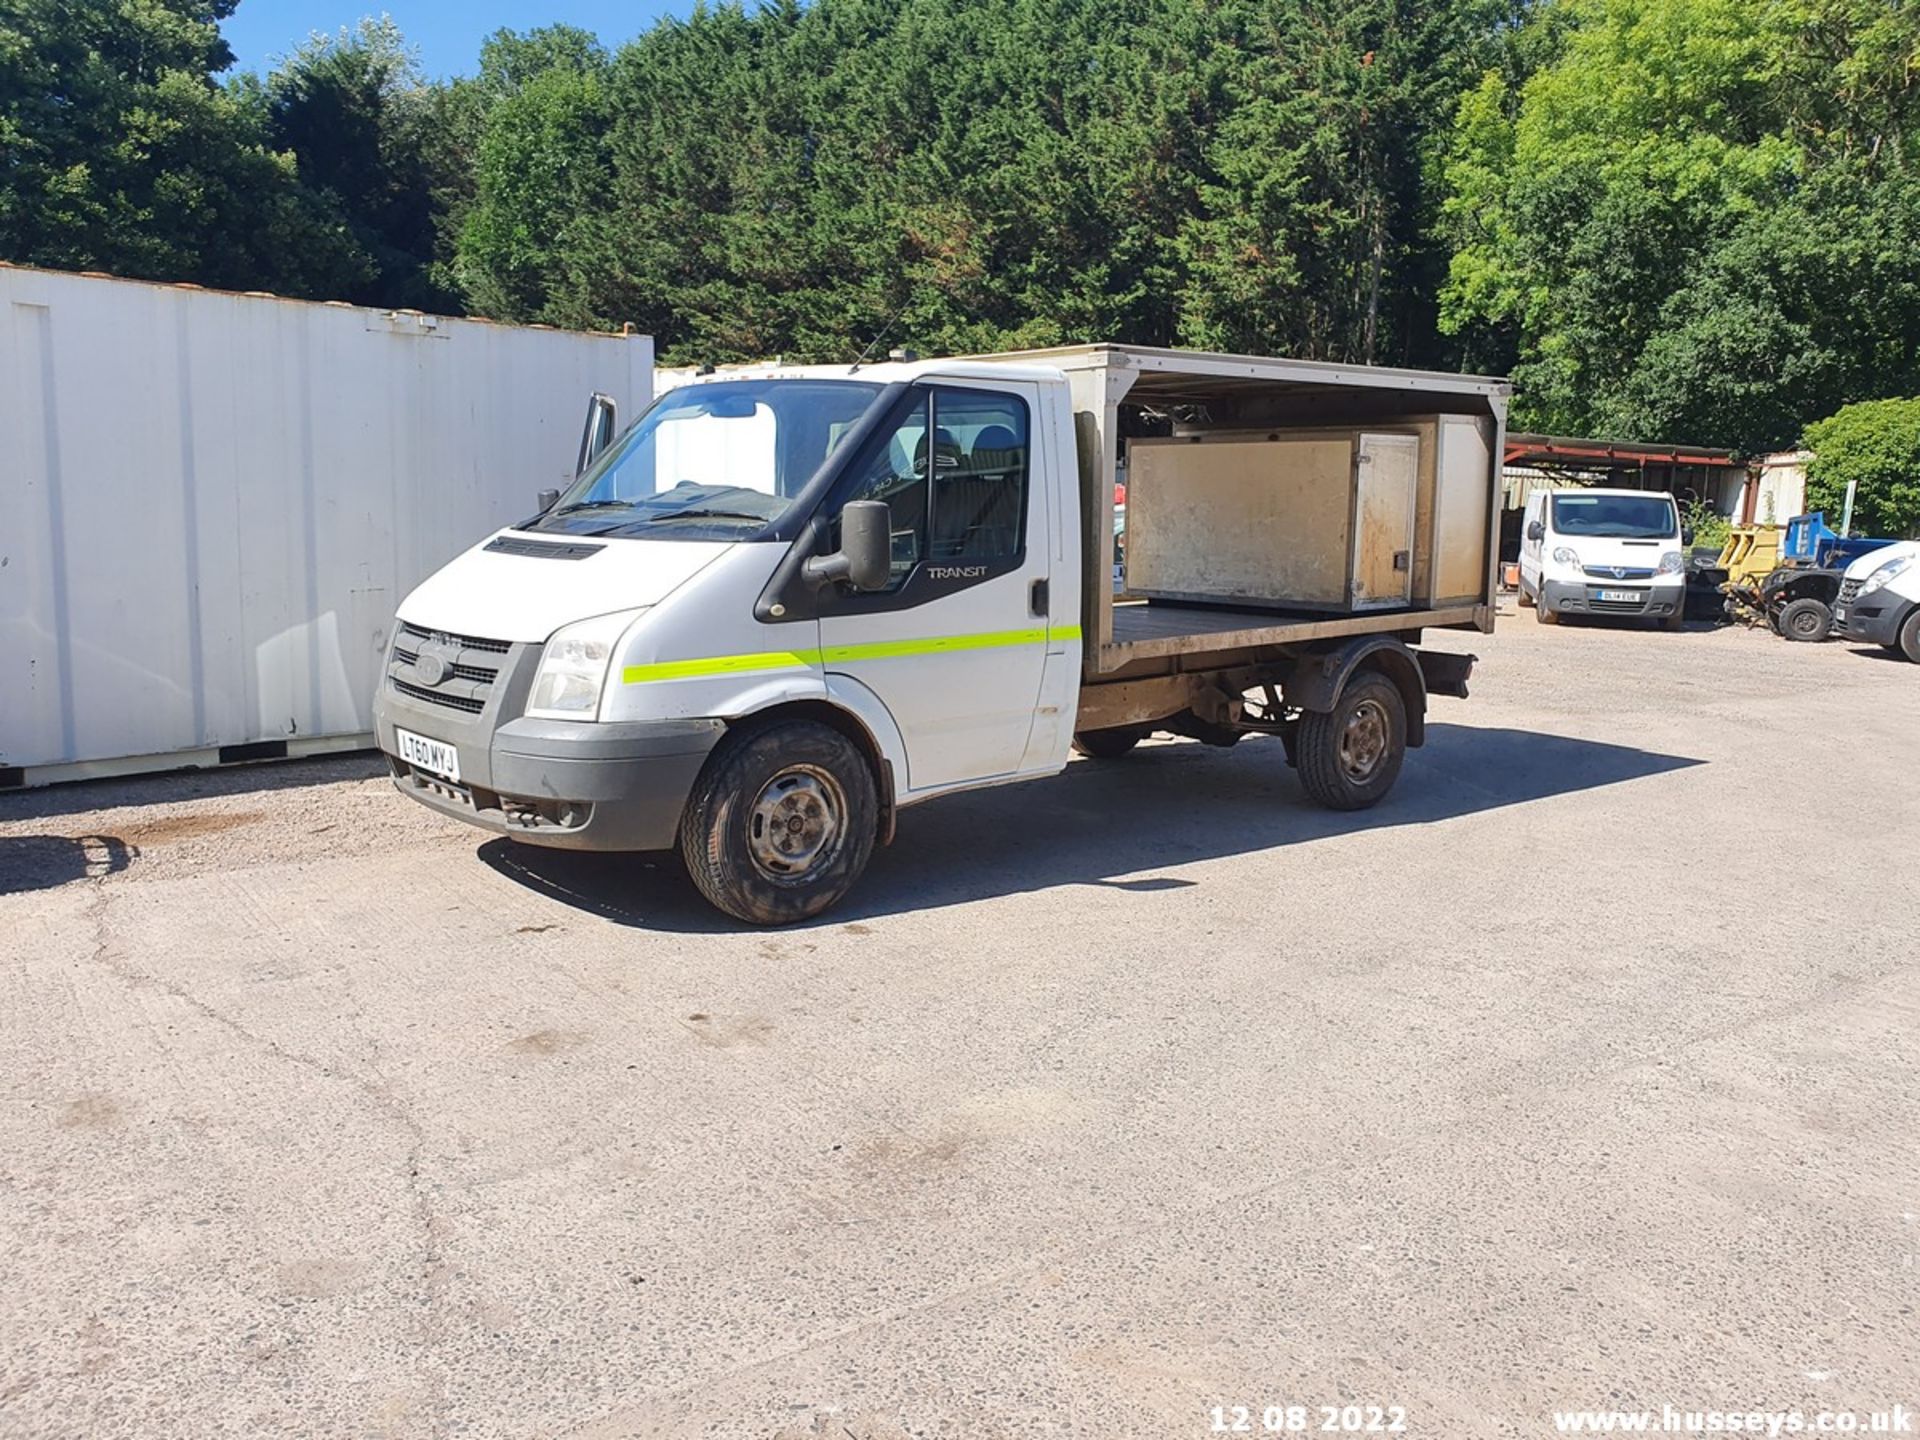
<point x="1350" y="756"/>
<point x="1108" y="744"/>
<point x="781" y="822"/>
<point x="1526" y="596"/>
<point x="1806" y="619"/>
<point x="1910" y="638"/>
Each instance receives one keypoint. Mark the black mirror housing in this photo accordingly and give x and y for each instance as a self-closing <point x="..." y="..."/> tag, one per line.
<point x="1536" y="531"/>
<point x="1686" y="535"/>
<point x="546" y="500"/>
<point x="865" y="557"/>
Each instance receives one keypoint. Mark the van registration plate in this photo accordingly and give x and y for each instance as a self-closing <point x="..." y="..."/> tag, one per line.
<point x="435" y="755"/>
<point x="1624" y="597"/>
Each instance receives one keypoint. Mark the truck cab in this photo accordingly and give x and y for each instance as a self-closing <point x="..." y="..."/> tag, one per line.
<point x="1879" y="600"/>
<point x="788" y="602"/>
<point x="1603" y="552"/>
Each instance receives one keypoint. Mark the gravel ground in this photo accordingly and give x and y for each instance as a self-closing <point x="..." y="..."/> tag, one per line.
<point x="1583" y="1073"/>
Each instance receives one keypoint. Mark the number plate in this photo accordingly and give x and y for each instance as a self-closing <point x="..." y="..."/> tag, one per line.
<point x="435" y="755"/>
<point x="1625" y="597"/>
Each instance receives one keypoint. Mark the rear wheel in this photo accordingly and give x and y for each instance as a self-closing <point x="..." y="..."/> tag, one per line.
<point x="781" y="822"/>
<point x="1109" y="744"/>
<point x="1350" y="756"/>
<point x="1526" y="596"/>
<point x="1805" y="619"/>
<point x="1910" y="638"/>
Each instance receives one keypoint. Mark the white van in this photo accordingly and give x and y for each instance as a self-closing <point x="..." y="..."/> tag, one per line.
<point x="1879" y="599"/>
<point x="1604" y="552"/>
<point x="790" y="601"/>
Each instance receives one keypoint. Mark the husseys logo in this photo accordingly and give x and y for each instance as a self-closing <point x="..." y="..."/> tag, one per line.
<point x="955" y="572"/>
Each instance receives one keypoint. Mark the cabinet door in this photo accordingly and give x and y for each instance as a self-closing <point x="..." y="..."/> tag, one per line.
<point x="1388" y="471"/>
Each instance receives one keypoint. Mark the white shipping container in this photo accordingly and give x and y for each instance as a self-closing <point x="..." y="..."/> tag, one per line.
<point x="210" y="503"/>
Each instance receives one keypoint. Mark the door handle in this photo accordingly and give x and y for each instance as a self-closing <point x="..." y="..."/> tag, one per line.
<point x="1039" y="599"/>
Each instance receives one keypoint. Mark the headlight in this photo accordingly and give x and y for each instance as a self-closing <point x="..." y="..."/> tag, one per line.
<point x="1885" y="573"/>
<point x="1564" y="556"/>
<point x="1672" y="563"/>
<point x="573" y="667"/>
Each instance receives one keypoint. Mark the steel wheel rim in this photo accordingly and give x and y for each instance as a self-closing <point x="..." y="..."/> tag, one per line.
<point x="1364" y="740"/>
<point x="795" y="823"/>
<point x="1805" y="622"/>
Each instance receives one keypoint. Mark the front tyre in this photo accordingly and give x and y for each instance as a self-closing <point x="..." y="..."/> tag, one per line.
<point x="781" y="822"/>
<point x="1350" y="756"/>
<point x="1805" y="619"/>
<point x="1910" y="637"/>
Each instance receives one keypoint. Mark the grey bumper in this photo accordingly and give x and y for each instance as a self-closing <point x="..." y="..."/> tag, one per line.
<point x="569" y="784"/>
<point x="1564" y="597"/>
<point x="1874" y="618"/>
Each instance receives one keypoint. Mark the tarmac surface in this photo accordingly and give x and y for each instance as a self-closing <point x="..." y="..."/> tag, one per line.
<point x="1584" y="1073"/>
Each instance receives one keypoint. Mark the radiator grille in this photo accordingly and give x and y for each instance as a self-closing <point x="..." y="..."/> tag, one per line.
<point x="438" y="668"/>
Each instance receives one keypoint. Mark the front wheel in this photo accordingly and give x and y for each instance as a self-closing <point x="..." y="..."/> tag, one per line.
<point x="1350" y="756"/>
<point x="1910" y="638"/>
<point x="1805" y="619"/>
<point x="781" y="822"/>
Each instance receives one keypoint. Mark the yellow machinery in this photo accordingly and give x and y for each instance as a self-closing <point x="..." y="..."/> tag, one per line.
<point x="1752" y="553"/>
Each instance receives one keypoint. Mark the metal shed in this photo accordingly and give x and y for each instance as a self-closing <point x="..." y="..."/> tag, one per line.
<point x="211" y="503"/>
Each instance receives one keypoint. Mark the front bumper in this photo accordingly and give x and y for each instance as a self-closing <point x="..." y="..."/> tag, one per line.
<point x="1581" y="597"/>
<point x="1874" y="618"/>
<point x="575" y="785"/>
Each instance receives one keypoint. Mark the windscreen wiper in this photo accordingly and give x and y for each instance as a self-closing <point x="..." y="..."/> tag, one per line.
<point x="580" y="505"/>
<point x="705" y="513"/>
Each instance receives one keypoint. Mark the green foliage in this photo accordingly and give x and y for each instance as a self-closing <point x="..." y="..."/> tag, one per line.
<point x="360" y="122"/>
<point x="118" y="152"/>
<point x="1245" y="174"/>
<point x="1684" y="219"/>
<point x="1696" y="219"/>
<point x="1874" y="446"/>
<point x="1710" y="528"/>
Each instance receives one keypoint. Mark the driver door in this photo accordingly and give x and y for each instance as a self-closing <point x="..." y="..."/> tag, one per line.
<point x="956" y="645"/>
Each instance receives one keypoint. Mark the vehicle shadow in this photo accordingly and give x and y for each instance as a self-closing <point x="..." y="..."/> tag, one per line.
<point x="1102" y="823"/>
<point x="46" y="862"/>
<point x="170" y="787"/>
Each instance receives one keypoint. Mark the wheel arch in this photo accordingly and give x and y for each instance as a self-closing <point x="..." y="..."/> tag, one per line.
<point x="834" y="717"/>
<point x="1318" y="682"/>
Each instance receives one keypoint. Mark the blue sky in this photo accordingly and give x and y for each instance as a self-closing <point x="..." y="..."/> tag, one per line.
<point x="447" y="32"/>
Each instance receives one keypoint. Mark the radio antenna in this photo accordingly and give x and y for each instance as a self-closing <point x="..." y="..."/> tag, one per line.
<point x="874" y="343"/>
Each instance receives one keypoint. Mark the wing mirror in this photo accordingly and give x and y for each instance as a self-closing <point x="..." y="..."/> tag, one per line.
<point x="865" y="557"/>
<point x="1536" y="531"/>
<point x="1686" y="535"/>
<point x="546" y="500"/>
<point x="597" y="434"/>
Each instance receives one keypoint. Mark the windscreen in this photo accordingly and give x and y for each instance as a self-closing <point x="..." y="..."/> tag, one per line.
<point x="1616" y="517"/>
<point x="706" y="461"/>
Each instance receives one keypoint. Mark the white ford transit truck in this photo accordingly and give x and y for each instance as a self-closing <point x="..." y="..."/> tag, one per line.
<point x="788" y="602"/>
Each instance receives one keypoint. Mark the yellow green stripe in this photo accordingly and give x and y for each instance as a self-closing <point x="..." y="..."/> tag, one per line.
<point x="839" y="654"/>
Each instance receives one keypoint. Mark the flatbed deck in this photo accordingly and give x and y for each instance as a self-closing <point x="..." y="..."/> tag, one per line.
<point x="1143" y="631"/>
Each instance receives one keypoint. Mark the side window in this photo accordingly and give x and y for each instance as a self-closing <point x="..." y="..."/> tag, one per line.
<point x="979" y="502"/>
<point x="954" y="476"/>
<point x="898" y="475"/>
